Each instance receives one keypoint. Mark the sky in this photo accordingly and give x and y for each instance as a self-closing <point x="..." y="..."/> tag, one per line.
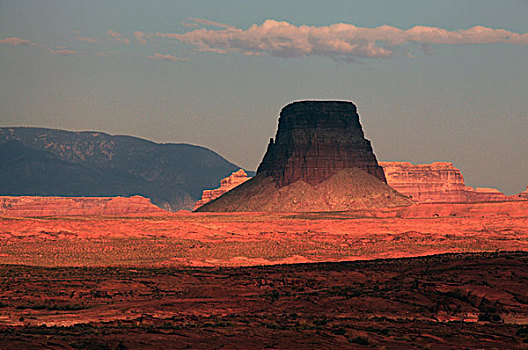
<point x="432" y="80"/>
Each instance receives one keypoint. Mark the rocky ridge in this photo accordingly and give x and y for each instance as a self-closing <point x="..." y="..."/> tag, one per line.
<point x="50" y="162"/>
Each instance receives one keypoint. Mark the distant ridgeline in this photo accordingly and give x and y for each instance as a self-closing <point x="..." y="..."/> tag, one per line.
<point x="49" y="162"/>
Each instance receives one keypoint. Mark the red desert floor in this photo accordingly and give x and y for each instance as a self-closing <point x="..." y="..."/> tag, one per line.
<point x="190" y="281"/>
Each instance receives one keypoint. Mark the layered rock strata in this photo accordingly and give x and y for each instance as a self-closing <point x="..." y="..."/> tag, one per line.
<point x="29" y="206"/>
<point x="319" y="161"/>
<point x="316" y="139"/>
<point x="227" y="184"/>
<point x="437" y="182"/>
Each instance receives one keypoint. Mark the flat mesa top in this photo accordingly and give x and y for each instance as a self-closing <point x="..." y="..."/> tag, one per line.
<point x="319" y="106"/>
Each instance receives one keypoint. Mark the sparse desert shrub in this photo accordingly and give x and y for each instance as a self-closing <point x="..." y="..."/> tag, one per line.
<point x="359" y="340"/>
<point x="339" y="331"/>
<point x="273" y="295"/>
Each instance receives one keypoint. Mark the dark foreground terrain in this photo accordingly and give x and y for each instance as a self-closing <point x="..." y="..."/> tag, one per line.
<point x="477" y="300"/>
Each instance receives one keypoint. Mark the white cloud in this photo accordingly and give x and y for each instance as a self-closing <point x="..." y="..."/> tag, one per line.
<point x="339" y="41"/>
<point x="161" y="57"/>
<point x="14" y="41"/>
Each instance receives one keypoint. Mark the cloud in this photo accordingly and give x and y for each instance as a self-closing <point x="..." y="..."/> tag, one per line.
<point x="63" y="52"/>
<point x="86" y="39"/>
<point x="140" y="37"/>
<point x="189" y="24"/>
<point x="116" y="36"/>
<point x="196" y="21"/>
<point x="339" y="41"/>
<point x="161" y="57"/>
<point x="14" y="41"/>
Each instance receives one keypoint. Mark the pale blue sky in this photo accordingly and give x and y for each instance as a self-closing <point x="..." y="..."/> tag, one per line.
<point x="465" y="103"/>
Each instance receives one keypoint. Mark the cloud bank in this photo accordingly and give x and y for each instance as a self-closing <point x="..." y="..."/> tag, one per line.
<point x="339" y="41"/>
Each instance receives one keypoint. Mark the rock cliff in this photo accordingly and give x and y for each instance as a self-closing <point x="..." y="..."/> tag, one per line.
<point x="316" y="139"/>
<point x="319" y="161"/>
<point x="437" y="182"/>
<point x="227" y="184"/>
<point x="29" y="206"/>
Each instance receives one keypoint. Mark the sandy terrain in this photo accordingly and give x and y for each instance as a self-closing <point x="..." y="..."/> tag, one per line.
<point x="190" y="280"/>
<point x="236" y="239"/>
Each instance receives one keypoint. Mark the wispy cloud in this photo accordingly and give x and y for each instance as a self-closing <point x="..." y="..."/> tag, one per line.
<point x="339" y="41"/>
<point x="140" y="37"/>
<point x="63" y="52"/>
<point x="197" y="21"/>
<point x="161" y="57"/>
<point x="86" y="39"/>
<point x="116" y="36"/>
<point x="14" y="41"/>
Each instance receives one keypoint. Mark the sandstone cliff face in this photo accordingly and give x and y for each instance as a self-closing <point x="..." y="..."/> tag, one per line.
<point x="29" y="206"/>
<point x="319" y="161"/>
<point x="227" y="184"/>
<point x="316" y="139"/>
<point x="436" y="182"/>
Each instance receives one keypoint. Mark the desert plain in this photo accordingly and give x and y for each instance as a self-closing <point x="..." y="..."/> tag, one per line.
<point x="423" y="276"/>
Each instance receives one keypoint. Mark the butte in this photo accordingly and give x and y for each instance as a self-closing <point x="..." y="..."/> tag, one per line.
<point x="319" y="161"/>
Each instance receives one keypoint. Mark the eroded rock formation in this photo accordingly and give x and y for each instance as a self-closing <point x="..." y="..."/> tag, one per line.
<point x="28" y="206"/>
<point x="315" y="140"/>
<point x="437" y="182"/>
<point x="319" y="161"/>
<point x="227" y="184"/>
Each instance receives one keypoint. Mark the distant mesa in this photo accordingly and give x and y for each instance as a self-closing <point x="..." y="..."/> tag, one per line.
<point x="523" y="195"/>
<point x="32" y="206"/>
<point x="319" y="161"/>
<point x="439" y="182"/>
<point x="226" y="184"/>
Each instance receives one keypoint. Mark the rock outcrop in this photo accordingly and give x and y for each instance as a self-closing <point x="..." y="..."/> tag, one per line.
<point x="29" y="206"/>
<point x="522" y="195"/>
<point x="319" y="161"/>
<point x="437" y="182"/>
<point x="227" y="184"/>
<point x="315" y="140"/>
